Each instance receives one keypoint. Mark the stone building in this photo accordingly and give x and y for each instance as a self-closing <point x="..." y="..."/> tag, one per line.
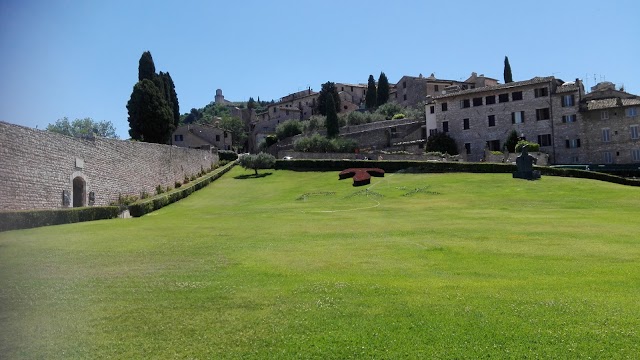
<point x="542" y="110"/>
<point x="611" y="125"/>
<point x="197" y="136"/>
<point x="411" y="90"/>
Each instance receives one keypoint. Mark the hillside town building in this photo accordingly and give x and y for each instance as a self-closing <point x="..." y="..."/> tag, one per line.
<point x="571" y="126"/>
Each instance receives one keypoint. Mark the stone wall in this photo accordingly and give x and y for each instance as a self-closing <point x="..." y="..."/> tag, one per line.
<point x="37" y="166"/>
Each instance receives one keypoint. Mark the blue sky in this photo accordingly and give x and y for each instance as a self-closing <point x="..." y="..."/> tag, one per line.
<point x="80" y="58"/>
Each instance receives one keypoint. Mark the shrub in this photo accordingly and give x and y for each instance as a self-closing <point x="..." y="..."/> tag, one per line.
<point x="177" y="184"/>
<point x="159" y="189"/>
<point x="144" y="194"/>
<point x="441" y="142"/>
<point x="35" y="218"/>
<point x="398" y="116"/>
<point x="532" y="147"/>
<point x="389" y="109"/>
<point x="288" y="128"/>
<point x="512" y="141"/>
<point x="227" y="155"/>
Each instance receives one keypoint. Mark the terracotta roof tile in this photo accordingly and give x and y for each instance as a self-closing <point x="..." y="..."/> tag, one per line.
<point x="535" y="80"/>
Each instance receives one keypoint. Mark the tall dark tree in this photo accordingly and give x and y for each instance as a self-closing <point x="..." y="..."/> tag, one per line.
<point x="146" y="67"/>
<point x="370" y="98"/>
<point x="333" y="127"/>
<point x="507" y="71"/>
<point x="150" y="116"/>
<point x="251" y="104"/>
<point x="328" y="90"/>
<point x="512" y="141"/>
<point x="383" y="89"/>
<point x="171" y="96"/>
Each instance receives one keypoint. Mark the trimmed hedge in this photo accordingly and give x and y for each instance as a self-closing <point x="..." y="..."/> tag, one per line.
<point x="26" y="219"/>
<point x="159" y="201"/>
<point x="227" y="155"/>
<point x="440" y="167"/>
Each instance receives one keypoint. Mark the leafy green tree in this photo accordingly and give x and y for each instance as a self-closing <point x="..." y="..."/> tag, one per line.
<point x="507" y="71"/>
<point x="370" y="98"/>
<point x="83" y="127"/>
<point x="389" y="109"/>
<point x="288" y="128"/>
<point x="259" y="161"/>
<point x="383" y="90"/>
<point x="146" y="67"/>
<point x="150" y="116"/>
<point x="236" y="127"/>
<point x="441" y="142"/>
<point x="328" y="90"/>
<point x="333" y="127"/>
<point x="512" y="141"/>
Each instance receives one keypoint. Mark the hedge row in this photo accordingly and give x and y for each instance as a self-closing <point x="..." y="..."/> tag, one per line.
<point x="440" y="167"/>
<point x="26" y="219"/>
<point x="159" y="201"/>
<point x="394" y="166"/>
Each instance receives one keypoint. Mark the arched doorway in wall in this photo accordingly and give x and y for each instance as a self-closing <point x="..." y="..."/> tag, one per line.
<point x="79" y="192"/>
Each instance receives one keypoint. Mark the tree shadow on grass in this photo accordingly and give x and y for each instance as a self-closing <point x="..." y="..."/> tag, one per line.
<point x="252" y="176"/>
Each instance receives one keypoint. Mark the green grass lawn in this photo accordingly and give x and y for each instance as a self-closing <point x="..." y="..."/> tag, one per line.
<point x="301" y="265"/>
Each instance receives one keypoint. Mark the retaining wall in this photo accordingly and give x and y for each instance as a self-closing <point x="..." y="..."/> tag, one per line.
<point x="37" y="167"/>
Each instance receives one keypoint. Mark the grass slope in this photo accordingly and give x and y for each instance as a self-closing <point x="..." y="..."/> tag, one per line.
<point x="301" y="265"/>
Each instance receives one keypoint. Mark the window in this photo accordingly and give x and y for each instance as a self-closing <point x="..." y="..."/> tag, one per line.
<point x="404" y="97"/>
<point x="489" y="100"/>
<point x="635" y="154"/>
<point x="433" y="131"/>
<point x="492" y="120"/>
<point x="517" y="117"/>
<point x="503" y="98"/>
<point x="607" y="156"/>
<point x="569" y="118"/>
<point x="540" y="92"/>
<point x="432" y="109"/>
<point x="286" y="112"/>
<point x="445" y="126"/>
<point x="604" y="115"/>
<point x="275" y="109"/>
<point x="342" y="88"/>
<point x="436" y="87"/>
<point x="493" y="145"/>
<point x="352" y="89"/>
<point x="634" y="132"/>
<point x="217" y="137"/>
<point x="467" y="147"/>
<point x="404" y="84"/>
<point x="464" y="103"/>
<point x="517" y="95"/>
<point x="177" y="138"/>
<point x="444" y="106"/>
<point x="477" y="101"/>
<point x="572" y="143"/>
<point x="542" y="114"/>
<point x="544" y="140"/>
<point x="632" y="112"/>
<point x="567" y="100"/>
<point x="465" y="124"/>
<point x="226" y="134"/>
<point x="606" y="136"/>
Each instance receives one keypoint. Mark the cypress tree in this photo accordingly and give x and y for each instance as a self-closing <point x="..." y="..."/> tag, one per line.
<point x="507" y="71"/>
<point x="383" y="89"/>
<point x="150" y="116"/>
<point x="171" y="96"/>
<point x="146" y="67"/>
<point x="370" y="98"/>
<point x="333" y="128"/>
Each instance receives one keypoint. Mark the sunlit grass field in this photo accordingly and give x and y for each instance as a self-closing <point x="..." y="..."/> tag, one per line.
<point x="301" y="265"/>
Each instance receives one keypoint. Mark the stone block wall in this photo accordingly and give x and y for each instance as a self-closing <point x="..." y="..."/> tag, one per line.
<point x="37" y="166"/>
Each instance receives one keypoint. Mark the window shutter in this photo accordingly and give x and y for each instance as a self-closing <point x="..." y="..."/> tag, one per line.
<point x="513" y="118"/>
<point x="577" y="142"/>
<point x="567" y="143"/>
<point x="572" y="100"/>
